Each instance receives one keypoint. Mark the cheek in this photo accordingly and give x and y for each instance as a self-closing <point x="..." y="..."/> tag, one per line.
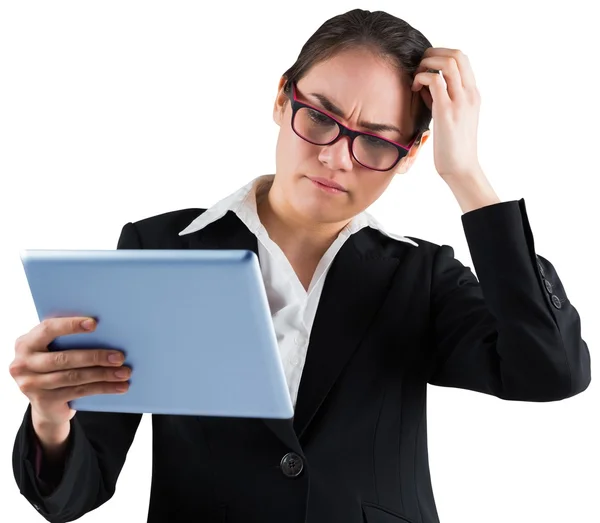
<point x="292" y="150"/>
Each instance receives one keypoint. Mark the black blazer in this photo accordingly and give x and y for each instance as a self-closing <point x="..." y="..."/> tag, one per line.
<point x="392" y="318"/>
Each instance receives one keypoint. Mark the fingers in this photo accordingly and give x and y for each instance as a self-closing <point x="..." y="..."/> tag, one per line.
<point x="455" y="67"/>
<point x="437" y="87"/>
<point x="90" y="389"/>
<point x="441" y="68"/>
<point x="73" y="359"/>
<point x="38" y="338"/>
<point x="463" y="64"/>
<point x="32" y="353"/>
<point x="50" y="379"/>
<point x="46" y="399"/>
<point x="71" y="378"/>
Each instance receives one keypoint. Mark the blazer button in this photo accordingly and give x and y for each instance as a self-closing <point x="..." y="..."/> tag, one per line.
<point x="541" y="270"/>
<point x="556" y="301"/>
<point x="291" y="465"/>
<point x="548" y="286"/>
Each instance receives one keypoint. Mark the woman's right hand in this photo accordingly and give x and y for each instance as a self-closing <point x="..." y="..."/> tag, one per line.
<point x="50" y="379"/>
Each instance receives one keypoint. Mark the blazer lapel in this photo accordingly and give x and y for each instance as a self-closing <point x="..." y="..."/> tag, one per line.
<point x="228" y="232"/>
<point x="355" y="287"/>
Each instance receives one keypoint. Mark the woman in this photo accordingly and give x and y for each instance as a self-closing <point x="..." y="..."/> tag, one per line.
<point x="385" y="315"/>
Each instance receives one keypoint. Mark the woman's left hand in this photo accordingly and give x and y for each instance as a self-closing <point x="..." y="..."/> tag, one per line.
<point x="455" y="110"/>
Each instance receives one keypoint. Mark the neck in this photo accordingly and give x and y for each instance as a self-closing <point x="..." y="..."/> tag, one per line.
<point x="296" y="236"/>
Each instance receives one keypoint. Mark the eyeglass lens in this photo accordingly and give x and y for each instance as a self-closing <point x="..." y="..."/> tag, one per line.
<point x="320" y="129"/>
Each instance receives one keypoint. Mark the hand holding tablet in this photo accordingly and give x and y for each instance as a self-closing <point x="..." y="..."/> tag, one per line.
<point x="51" y="380"/>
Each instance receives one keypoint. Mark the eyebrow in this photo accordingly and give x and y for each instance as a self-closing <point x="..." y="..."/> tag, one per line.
<point x="375" y="127"/>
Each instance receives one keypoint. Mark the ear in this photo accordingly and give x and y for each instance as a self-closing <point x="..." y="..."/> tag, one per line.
<point x="409" y="159"/>
<point x="280" y="100"/>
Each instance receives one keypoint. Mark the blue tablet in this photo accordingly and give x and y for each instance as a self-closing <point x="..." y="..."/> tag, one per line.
<point x="195" y="327"/>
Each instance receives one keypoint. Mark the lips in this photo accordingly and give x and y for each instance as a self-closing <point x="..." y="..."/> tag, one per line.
<point x="328" y="183"/>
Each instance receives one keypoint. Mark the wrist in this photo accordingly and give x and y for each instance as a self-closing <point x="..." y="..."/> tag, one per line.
<point x="473" y="192"/>
<point x="51" y="436"/>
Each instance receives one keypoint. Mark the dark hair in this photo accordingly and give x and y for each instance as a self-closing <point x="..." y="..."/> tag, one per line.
<point x="388" y="36"/>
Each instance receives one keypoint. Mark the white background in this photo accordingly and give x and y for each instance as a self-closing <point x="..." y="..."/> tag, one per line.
<point x="117" y="110"/>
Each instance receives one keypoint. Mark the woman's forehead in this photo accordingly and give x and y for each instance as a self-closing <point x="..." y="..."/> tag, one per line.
<point x="370" y="88"/>
<point x="360" y="74"/>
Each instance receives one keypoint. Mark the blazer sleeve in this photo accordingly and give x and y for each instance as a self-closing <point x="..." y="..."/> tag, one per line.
<point x="513" y="334"/>
<point x="97" y="446"/>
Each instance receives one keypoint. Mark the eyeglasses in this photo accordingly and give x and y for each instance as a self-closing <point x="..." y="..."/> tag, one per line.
<point x="319" y="128"/>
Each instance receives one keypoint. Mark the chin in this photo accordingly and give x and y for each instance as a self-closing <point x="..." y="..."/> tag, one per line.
<point x="321" y="212"/>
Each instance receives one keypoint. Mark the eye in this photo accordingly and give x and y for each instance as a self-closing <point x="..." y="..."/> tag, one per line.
<point x="319" y="118"/>
<point x="373" y="141"/>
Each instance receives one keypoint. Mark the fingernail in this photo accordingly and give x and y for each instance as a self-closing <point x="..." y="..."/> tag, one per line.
<point x="122" y="373"/>
<point x="121" y="387"/>
<point x="88" y="324"/>
<point x="115" y="357"/>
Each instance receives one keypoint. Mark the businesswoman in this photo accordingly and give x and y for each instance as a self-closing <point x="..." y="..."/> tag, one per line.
<point x="365" y="319"/>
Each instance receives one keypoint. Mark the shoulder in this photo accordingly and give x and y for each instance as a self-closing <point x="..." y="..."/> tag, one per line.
<point x="427" y="261"/>
<point x="177" y="219"/>
<point x="162" y="230"/>
<point x="399" y="247"/>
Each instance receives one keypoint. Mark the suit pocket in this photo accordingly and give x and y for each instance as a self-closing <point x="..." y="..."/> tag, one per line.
<point x="376" y="514"/>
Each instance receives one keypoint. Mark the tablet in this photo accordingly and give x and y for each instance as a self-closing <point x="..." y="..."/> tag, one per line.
<point x="195" y="327"/>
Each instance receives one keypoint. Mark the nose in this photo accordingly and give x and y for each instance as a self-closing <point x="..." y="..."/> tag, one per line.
<point x="337" y="156"/>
